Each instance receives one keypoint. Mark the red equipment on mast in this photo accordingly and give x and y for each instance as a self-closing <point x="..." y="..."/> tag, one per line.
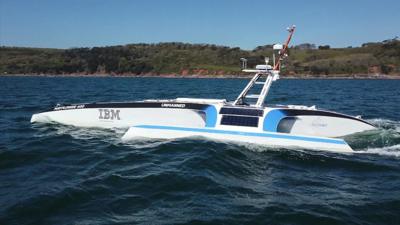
<point x="282" y="52"/>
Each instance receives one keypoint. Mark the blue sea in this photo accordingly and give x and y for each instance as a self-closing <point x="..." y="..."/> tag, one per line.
<point x="56" y="174"/>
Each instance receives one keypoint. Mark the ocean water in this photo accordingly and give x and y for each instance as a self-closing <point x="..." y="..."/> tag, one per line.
<point x="55" y="174"/>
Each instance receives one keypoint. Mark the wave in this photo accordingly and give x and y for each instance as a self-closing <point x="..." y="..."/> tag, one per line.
<point x="385" y="140"/>
<point x="386" y="151"/>
<point x="386" y="124"/>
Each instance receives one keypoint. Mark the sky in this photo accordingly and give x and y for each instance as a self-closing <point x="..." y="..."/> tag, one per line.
<point x="234" y="23"/>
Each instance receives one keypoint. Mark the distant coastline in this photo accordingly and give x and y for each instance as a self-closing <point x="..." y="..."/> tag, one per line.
<point x="224" y="76"/>
<point x="378" y="60"/>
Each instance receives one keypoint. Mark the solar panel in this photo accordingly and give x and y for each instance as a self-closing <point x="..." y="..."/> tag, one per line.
<point x="240" y="111"/>
<point x="246" y="121"/>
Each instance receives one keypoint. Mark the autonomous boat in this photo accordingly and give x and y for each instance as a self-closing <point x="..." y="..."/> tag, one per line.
<point x="246" y="119"/>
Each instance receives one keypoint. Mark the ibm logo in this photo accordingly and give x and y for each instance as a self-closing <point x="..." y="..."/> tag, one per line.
<point x="109" y="114"/>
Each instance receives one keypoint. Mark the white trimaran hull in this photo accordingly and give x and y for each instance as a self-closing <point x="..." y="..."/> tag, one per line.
<point x="273" y="126"/>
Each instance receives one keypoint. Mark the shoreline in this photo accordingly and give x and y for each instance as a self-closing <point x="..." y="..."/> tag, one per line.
<point x="178" y="76"/>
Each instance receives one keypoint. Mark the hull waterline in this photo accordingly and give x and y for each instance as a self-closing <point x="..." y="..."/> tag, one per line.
<point x="261" y="138"/>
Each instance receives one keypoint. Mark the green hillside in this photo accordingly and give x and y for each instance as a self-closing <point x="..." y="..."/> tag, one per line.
<point x="204" y="59"/>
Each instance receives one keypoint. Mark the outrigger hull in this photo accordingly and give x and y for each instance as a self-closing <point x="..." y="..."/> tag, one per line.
<point x="125" y="114"/>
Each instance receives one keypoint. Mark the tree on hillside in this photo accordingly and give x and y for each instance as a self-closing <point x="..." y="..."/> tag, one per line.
<point x="305" y="46"/>
<point x="324" y="47"/>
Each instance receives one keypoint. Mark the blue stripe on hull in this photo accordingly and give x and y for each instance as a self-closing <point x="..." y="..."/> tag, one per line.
<point x="252" y="134"/>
